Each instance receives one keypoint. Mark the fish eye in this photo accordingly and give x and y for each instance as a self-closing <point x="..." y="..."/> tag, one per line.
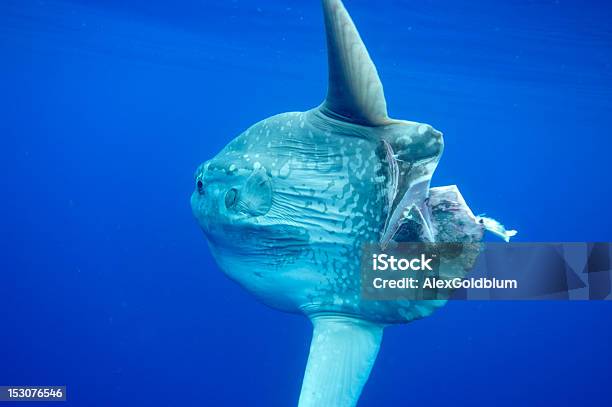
<point x="231" y="197"/>
<point x="200" y="186"/>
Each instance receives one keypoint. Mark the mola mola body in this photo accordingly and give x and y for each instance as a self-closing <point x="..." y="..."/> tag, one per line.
<point x="287" y="205"/>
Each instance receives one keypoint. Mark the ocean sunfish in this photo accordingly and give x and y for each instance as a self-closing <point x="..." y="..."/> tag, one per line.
<point x="287" y="205"/>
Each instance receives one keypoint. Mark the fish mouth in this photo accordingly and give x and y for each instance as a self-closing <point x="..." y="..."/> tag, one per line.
<point x="199" y="210"/>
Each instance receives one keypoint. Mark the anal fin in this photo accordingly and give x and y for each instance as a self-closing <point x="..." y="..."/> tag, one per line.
<point x="342" y="353"/>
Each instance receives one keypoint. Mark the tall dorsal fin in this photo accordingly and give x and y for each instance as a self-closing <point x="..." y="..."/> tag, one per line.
<point x="355" y="92"/>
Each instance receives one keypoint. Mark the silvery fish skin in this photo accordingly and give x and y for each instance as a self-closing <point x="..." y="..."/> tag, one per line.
<point x="287" y="205"/>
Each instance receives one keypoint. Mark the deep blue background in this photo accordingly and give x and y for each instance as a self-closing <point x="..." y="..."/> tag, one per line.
<point x="106" y="283"/>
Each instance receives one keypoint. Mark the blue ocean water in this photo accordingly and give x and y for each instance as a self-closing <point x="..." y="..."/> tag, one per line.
<point x="106" y="283"/>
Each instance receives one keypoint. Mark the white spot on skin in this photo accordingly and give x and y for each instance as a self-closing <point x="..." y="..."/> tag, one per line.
<point x="232" y="168"/>
<point x="283" y="172"/>
<point x="256" y="165"/>
<point x="423" y="129"/>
